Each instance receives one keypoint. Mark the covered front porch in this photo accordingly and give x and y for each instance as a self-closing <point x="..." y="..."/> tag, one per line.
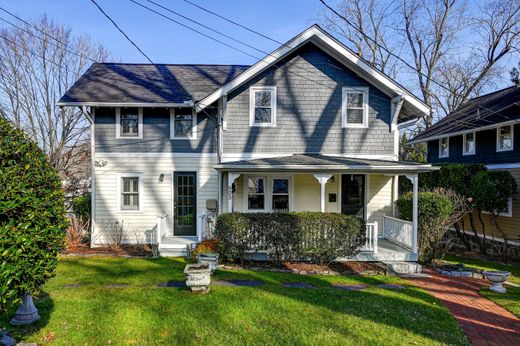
<point x="307" y="182"/>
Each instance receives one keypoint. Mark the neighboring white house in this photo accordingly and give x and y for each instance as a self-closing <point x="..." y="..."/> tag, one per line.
<point x="309" y="127"/>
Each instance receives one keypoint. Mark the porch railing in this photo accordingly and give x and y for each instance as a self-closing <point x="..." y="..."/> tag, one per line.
<point x="161" y="228"/>
<point x="398" y="231"/>
<point x="371" y="237"/>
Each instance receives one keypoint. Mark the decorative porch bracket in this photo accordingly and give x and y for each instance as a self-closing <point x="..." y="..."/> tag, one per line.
<point x="414" y="178"/>
<point x="231" y="179"/>
<point x="322" y="179"/>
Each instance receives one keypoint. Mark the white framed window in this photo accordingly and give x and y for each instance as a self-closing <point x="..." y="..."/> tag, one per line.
<point x="505" y="138"/>
<point x="262" y="106"/>
<point x="183" y="123"/>
<point x="280" y="198"/>
<point x="256" y="196"/>
<point x="130" y="192"/>
<point x="508" y="212"/>
<point x="129" y="122"/>
<point x="354" y="107"/>
<point x="444" y="147"/>
<point x="469" y="142"/>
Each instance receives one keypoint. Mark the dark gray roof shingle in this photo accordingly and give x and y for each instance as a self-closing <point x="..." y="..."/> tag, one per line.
<point x="493" y="108"/>
<point x="147" y="83"/>
<point x="318" y="161"/>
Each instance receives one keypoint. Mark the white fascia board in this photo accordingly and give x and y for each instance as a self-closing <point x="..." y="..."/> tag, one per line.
<point x="324" y="40"/>
<point x="125" y="104"/>
<point x="475" y="129"/>
<point x="503" y="166"/>
<point x="328" y="168"/>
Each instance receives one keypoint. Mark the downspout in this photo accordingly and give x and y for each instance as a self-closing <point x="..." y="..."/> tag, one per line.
<point x="92" y="172"/>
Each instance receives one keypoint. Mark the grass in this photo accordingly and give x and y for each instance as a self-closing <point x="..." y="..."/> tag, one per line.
<point x="509" y="300"/>
<point x="143" y="314"/>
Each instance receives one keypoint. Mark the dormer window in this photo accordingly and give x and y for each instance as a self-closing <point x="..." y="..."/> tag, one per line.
<point x="183" y="123"/>
<point x="444" y="147"/>
<point x="355" y="107"/>
<point x="468" y="147"/>
<point x="505" y="136"/>
<point x="129" y="122"/>
<point x="262" y="106"/>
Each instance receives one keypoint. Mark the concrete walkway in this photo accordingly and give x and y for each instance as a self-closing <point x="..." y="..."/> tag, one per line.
<point x="483" y="322"/>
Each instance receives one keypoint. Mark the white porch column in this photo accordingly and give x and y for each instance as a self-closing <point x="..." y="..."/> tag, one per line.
<point x="415" y="210"/>
<point x="322" y="179"/>
<point x="231" y="179"/>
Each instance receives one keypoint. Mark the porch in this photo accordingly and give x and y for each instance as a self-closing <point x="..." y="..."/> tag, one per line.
<point x="360" y="187"/>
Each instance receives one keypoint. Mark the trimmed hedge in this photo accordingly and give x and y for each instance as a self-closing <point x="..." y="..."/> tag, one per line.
<point x="32" y="216"/>
<point x="291" y="236"/>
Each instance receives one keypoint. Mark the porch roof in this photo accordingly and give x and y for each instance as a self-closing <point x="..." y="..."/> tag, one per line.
<point x="323" y="163"/>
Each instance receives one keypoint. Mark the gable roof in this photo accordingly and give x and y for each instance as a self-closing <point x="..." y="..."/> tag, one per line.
<point x="161" y="84"/>
<point x="486" y="111"/>
<point x="412" y="106"/>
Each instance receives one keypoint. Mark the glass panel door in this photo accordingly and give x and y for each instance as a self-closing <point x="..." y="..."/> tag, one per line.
<point x="185" y="203"/>
<point x="353" y="194"/>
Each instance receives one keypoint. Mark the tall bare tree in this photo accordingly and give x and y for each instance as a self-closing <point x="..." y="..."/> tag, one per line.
<point x="39" y="61"/>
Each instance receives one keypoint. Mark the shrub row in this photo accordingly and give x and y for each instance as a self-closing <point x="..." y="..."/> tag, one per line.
<point x="291" y="236"/>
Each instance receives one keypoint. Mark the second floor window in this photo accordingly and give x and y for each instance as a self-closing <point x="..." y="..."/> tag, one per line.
<point x="262" y="106"/>
<point x="355" y="107"/>
<point x="129" y="122"/>
<point x="444" y="147"/>
<point x="469" y="143"/>
<point x="505" y="138"/>
<point x="183" y="123"/>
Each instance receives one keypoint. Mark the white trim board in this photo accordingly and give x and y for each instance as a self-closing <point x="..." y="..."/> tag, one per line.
<point x="155" y="155"/>
<point x="126" y="104"/>
<point x="332" y="46"/>
<point x="503" y="166"/>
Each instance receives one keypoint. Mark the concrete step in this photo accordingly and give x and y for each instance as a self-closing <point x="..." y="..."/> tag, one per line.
<point x="173" y="252"/>
<point x="403" y="267"/>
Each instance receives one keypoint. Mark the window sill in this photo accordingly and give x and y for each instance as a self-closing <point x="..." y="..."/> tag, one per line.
<point x="354" y="126"/>
<point x="468" y="154"/>
<point x="183" y="138"/>
<point x="502" y="150"/>
<point x="130" y="211"/>
<point x="262" y="125"/>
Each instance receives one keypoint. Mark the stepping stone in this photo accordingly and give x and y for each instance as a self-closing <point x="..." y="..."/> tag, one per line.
<point x="298" y="285"/>
<point x="172" y="284"/>
<point x="71" y="285"/>
<point x="117" y="285"/>
<point x="392" y="286"/>
<point x="241" y="283"/>
<point x="349" y="287"/>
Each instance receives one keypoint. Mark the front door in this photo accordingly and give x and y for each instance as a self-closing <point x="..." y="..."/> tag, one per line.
<point x="353" y="194"/>
<point x="185" y="204"/>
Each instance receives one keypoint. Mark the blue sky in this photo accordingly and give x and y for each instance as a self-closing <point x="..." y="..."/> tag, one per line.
<point x="166" y="42"/>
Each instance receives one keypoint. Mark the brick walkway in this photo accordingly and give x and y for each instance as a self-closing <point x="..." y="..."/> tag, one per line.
<point x="484" y="322"/>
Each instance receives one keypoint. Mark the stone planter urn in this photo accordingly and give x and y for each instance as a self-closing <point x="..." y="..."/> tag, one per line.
<point x="26" y="313"/>
<point x="497" y="278"/>
<point x="198" y="277"/>
<point x="211" y="259"/>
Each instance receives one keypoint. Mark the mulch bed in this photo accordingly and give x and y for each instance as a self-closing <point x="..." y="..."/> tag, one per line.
<point x="124" y="251"/>
<point x="336" y="268"/>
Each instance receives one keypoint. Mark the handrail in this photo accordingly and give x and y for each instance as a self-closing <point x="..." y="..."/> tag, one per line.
<point x="161" y="231"/>
<point x="371" y="243"/>
<point x="398" y="231"/>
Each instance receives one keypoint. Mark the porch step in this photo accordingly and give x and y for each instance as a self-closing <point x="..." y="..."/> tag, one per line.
<point x="403" y="267"/>
<point x="176" y="246"/>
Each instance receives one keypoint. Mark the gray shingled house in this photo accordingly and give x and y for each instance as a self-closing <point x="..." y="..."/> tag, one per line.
<point x="309" y="127"/>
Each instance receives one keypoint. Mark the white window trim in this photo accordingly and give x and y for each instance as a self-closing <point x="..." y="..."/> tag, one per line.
<point x="464" y="153"/>
<point x="172" y="126"/>
<point x="512" y="138"/>
<point x="448" y="147"/>
<point x="120" y="176"/>
<point x="252" y="90"/>
<point x="268" y="192"/>
<point x="508" y="213"/>
<point x="140" y="125"/>
<point x="357" y="90"/>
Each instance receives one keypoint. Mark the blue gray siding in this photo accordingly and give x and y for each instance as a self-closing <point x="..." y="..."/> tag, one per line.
<point x="309" y="94"/>
<point x="156" y="133"/>
<point x="485" y="150"/>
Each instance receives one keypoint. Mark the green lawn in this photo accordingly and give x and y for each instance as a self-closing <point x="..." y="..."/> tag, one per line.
<point x="143" y="314"/>
<point x="509" y="300"/>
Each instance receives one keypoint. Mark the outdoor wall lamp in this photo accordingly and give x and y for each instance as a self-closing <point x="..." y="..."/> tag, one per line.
<point x="161" y="177"/>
